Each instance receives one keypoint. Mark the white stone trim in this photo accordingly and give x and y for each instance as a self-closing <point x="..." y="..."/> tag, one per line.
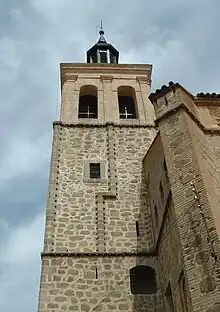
<point x="103" y="170"/>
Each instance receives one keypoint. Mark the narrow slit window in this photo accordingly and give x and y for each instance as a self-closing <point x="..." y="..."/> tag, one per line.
<point x="96" y="273"/>
<point x="164" y="165"/>
<point x="161" y="192"/>
<point x="137" y="228"/>
<point x="156" y="217"/>
<point x="95" y="172"/>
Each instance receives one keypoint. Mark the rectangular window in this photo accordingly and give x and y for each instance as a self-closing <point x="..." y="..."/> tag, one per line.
<point x="94" y="171"/>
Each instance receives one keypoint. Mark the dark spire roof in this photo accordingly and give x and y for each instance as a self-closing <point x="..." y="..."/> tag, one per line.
<point x="102" y="45"/>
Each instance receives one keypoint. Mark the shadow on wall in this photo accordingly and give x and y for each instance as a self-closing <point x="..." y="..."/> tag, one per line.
<point x="144" y="277"/>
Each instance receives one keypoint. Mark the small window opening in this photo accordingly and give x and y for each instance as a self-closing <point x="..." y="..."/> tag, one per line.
<point x="156" y="216"/>
<point x="103" y="57"/>
<point x="161" y="192"/>
<point x="166" y="102"/>
<point x="143" y="280"/>
<point x="95" y="171"/>
<point x="137" y="228"/>
<point x="169" y="300"/>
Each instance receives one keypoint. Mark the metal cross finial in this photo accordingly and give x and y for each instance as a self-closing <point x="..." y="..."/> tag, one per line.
<point x="101" y="32"/>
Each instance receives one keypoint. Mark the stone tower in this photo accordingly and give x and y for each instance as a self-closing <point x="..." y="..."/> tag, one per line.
<point x="98" y="234"/>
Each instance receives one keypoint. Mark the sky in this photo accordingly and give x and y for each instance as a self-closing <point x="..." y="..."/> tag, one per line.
<point x="179" y="37"/>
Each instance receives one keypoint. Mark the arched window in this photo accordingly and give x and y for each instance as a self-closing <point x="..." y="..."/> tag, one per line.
<point x="88" y="106"/>
<point x="143" y="280"/>
<point x="127" y="102"/>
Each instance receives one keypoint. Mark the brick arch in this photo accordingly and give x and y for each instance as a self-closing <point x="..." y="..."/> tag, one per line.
<point x="88" y="102"/>
<point x="143" y="280"/>
<point x="127" y="102"/>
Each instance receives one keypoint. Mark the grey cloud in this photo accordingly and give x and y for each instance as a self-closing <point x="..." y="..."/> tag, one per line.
<point x="180" y="39"/>
<point x="20" y="266"/>
<point x="23" y="198"/>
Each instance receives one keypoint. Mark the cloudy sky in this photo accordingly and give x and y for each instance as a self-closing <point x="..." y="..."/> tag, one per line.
<point x="179" y="37"/>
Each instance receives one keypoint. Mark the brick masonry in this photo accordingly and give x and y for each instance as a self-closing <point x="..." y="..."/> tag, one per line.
<point x="189" y="142"/>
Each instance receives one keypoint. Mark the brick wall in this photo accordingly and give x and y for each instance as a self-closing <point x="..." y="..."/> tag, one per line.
<point x="188" y="161"/>
<point x="166" y="234"/>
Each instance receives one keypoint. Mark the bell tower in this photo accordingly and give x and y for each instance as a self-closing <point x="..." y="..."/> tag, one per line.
<point x="98" y="243"/>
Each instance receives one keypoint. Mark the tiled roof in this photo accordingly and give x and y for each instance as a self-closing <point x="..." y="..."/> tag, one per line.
<point x="208" y="95"/>
<point x="165" y="89"/>
<point x="172" y="86"/>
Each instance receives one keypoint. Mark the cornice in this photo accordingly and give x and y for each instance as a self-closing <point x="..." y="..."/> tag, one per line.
<point x="98" y="254"/>
<point x="105" y="72"/>
<point x="101" y="125"/>
<point x="134" y="69"/>
<point x="143" y="79"/>
<point x="207" y="102"/>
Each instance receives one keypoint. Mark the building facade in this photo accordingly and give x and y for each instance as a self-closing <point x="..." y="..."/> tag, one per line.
<point x="127" y="192"/>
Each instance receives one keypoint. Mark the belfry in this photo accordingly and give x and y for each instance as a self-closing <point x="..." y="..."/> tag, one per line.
<point x="131" y="219"/>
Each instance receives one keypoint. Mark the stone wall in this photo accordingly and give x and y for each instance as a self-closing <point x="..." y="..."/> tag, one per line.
<point x="73" y="223"/>
<point x="89" y="284"/>
<point x="91" y="240"/>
